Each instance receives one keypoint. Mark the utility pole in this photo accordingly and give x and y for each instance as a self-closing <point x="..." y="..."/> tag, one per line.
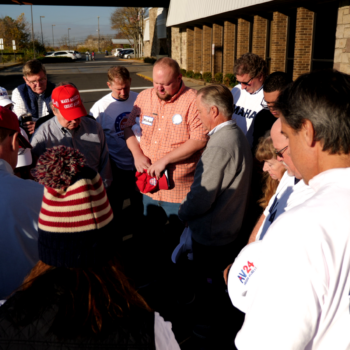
<point x="31" y="10"/>
<point x="53" y="41"/>
<point x="98" y="19"/>
<point x="68" y="39"/>
<point x="42" y="39"/>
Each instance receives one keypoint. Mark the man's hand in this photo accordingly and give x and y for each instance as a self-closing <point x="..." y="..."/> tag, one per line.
<point x="30" y="127"/>
<point x="157" y="168"/>
<point x="227" y="270"/>
<point x="141" y="162"/>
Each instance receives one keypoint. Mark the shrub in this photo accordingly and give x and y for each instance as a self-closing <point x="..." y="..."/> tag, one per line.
<point x="197" y="75"/>
<point x="230" y="80"/>
<point x="190" y="74"/>
<point x="149" y="60"/>
<point x="183" y="71"/>
<point x="219" y="77"/>
<point x="207" y="77"/>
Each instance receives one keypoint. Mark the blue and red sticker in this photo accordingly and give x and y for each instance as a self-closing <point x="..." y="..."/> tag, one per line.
<point x="153" y="181"/>
<point x="120" y="122"/>
<point x="246" y="272"/>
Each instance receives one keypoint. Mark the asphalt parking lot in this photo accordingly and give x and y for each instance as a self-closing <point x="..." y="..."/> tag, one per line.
<point x="90" y="77"/>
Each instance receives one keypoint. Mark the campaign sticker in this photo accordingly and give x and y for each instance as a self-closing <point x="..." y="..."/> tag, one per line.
<point x="153" y="181"/>
<point x="177" y="119"/>
<point x="147" y="120"/>
<point x="119" y="124"/>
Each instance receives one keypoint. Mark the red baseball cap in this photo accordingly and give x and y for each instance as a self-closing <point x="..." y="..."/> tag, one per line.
<point x="67" y="99"/>
<point x="147" y="183"/>
<point x="9" y="120"/>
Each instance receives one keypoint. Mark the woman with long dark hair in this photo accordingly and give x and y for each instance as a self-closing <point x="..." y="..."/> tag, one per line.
<point x="77" y="296"/>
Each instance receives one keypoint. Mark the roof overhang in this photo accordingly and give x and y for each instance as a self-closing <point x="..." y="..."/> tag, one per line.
<point x="103" y="3"/>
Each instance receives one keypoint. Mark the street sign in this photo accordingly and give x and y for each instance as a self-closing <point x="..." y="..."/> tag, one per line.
<point x="213" y="49"/>
<point x="14" y="47"/>
<point x="13" y="42"/>
<point x="1" y="44"/>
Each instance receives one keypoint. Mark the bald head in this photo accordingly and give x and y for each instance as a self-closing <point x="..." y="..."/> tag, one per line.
<point x="280" y="143"/>
<point x="168" y="62"/>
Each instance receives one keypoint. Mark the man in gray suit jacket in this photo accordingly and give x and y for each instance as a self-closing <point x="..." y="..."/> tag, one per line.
<point x="216" y="204"/>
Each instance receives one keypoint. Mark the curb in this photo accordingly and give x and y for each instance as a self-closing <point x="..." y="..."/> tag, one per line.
<point x="145" y="77"/>
<point x="10" y="65"/>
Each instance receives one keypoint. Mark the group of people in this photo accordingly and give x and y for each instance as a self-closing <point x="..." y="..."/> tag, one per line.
<point x="193" y="160"/>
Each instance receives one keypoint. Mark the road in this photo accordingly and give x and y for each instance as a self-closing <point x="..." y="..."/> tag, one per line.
<point x="89" y="77"/>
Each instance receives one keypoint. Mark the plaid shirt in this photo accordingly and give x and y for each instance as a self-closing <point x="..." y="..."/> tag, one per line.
<point x="166" y="125"/>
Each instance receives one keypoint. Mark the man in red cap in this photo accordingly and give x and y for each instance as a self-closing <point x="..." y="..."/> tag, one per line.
<point x="70" y="127"/>
<point x="20" y="203"/>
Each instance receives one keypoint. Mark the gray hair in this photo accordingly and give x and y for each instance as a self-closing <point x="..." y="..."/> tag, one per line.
<point x="219" y="96"/>
<point x="323" y="98"/>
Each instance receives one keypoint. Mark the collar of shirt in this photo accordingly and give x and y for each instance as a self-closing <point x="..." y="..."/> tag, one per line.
<point x="220" y="126"/>
<point x="338" y="175"/>
<point x="4" y="166"/>
<point x="257" y="91"/>
<point x="173" y="98"/>
<point x="65" y="130"/>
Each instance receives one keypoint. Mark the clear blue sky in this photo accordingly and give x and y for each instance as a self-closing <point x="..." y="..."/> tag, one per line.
<point x="81" y="19"/>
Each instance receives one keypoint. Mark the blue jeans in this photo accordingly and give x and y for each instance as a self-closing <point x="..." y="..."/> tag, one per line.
<point x="167" y="208"/>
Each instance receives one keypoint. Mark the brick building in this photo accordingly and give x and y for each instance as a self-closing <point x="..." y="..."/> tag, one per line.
<point x="293" y="36"/>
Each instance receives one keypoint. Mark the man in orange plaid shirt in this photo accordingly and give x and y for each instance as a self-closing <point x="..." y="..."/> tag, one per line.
<point x="172" y="135"/>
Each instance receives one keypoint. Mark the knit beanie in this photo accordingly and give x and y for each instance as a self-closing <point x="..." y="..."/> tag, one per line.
<point x="75" y="221"/>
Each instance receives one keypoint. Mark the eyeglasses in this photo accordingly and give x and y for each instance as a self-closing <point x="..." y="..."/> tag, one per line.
<point x="35" y="82"/>
<point x="245" y="83"/>
<point x="280" y="152"/>
<point x="266" y="106"/>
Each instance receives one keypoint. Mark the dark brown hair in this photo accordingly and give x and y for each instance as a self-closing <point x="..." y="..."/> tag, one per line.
<point x="90" y="301"/>
<point x="251" y="64"/>
<point x="4" y="133"/>
<point x="118" y="72"/>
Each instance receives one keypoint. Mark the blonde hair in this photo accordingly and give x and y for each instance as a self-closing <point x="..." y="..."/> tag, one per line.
<point x="266" y="151"/>
<point x="33" y="67"/>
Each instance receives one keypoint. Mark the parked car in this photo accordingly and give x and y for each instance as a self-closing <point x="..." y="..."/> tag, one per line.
<point x="63" y="53"/>
<point x="78" y="54"/>
<point x="127" y="53"/>
<point x="48" y="53"/>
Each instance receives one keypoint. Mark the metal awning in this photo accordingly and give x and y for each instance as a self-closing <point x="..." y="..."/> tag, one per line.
<point x="123" y="41"/>
<point x="107" y="3"/>
<point x="184" y="11"/>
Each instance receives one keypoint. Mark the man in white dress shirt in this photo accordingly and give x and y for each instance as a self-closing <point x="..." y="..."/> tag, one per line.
<point x="302" y="299"/>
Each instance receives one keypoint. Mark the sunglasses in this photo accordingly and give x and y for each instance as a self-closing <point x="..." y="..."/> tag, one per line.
<point x="280" y="152"/>
<point x="245" y="83"/>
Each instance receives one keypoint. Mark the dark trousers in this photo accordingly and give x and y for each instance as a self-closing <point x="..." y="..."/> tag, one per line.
<point x="124" y="187"/>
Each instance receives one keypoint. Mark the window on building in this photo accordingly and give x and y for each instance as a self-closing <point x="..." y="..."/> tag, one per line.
<point x="325" y="25"/>
<point x="251" y="24"/>
<point x="268" y="44"/>
<point x="161" y="23"/>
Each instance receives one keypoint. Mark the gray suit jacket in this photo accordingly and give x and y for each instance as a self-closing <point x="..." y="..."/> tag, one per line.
<point x="217" y="201"/>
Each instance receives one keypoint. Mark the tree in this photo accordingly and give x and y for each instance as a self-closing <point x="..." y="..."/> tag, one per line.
<point x="129" y="22"/>
<point x="17" y="30"/>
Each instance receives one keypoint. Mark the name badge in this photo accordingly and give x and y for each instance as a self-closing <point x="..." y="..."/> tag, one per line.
<point x="147" y="120"/>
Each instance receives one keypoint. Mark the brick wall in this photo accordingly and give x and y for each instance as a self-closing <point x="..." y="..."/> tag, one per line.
<point x="342" y="43"/>
<point x="229" y="46"/>
<point x="197" y="49"/>
<point x="242" y="37"/>
<point x="218" y="41"/>
<point x="189" y="48"/>
<point x="303" y="42"/>
<point x="206" y="49"/>
<point x="279" y="27"/>
<point x="176" y="44"/>
<point x="183" y="58"/>
<point x="259" y="36"/>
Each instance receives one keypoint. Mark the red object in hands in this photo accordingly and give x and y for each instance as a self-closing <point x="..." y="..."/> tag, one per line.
<point x="146" y="183"/>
